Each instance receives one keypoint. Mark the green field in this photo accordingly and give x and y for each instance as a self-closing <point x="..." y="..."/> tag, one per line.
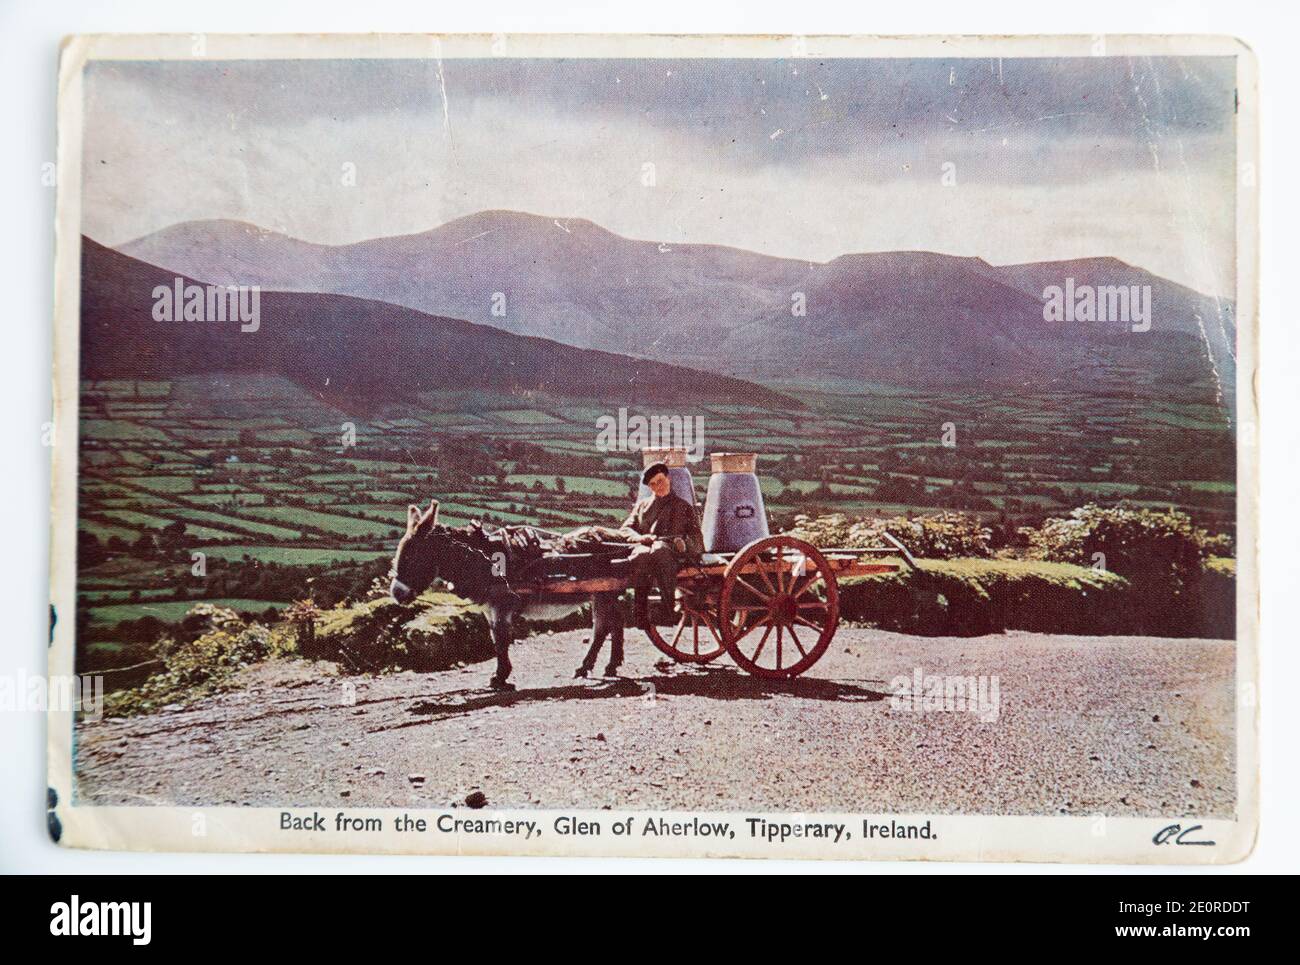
<point x="293" y="555"/>
<point x="170" y="611"/>
<point x="343" y="525"/>
<point x="572" y="484"/>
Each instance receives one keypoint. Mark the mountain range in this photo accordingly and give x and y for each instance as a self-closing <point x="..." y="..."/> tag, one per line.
<point x="910" y="317"/>
<point x="354" y="352"/>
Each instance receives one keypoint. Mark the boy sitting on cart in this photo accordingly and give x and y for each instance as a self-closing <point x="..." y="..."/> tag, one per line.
<point x="666" y="531"/>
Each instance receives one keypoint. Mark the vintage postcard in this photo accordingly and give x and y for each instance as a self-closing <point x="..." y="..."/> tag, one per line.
<point x="804" y="447"/>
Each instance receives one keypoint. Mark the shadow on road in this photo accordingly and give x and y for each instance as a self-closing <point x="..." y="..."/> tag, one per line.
<point x="719" y="683"/>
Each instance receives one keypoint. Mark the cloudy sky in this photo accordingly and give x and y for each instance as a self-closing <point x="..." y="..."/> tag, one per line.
<point x="1012" y="160"/>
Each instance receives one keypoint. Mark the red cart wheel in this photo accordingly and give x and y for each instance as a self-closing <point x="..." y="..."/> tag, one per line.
<point x="696" y="638"/>
<point x="774" y="622"/>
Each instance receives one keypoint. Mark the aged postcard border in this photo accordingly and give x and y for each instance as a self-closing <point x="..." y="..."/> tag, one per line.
<point x="950" y="837"/>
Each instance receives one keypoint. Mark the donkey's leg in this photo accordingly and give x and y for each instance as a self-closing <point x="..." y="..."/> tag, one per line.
<point x="599" y="630"/>
<point x="614" y="614"/>
<point x="501" y="619"/>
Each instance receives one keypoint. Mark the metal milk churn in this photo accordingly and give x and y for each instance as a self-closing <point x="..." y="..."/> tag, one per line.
<point x="734" y="515"/>
<point x="675" y="460"/>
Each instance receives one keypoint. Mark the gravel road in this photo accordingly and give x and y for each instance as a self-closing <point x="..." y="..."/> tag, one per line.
<point x="1084" y="725"/>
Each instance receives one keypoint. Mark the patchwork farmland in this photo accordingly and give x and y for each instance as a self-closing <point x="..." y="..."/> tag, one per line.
<point x="285" y="496"/>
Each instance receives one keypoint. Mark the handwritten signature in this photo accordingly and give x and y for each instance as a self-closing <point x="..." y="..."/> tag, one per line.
<point x="1177" y="834"/>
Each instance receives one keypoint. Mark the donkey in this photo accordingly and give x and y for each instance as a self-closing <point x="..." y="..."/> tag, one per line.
<point x="464" y="558"/>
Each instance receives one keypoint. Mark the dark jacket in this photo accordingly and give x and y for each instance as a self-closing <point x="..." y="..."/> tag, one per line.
<point x="666" y="517"/>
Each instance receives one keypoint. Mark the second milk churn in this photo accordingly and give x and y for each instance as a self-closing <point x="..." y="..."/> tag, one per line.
<point x="675" y="460"/>
<point x="734" y="515"/>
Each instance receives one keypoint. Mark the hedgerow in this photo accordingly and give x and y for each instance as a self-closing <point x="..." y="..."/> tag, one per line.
<point x="944" y="535"/>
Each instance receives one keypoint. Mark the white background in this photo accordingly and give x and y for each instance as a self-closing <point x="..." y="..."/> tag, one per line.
<point x="31" y="33"/>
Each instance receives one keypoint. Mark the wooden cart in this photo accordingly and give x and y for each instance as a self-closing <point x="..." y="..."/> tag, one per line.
<point x="773" y="606"/>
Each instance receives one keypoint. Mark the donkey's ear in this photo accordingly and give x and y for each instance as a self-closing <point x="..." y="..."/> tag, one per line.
<point x="412" y="516"/>
<point x="423" y="520"/>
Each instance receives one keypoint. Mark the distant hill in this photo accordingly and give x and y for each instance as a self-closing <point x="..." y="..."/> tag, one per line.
<point x="565" y="279"/>
<point x="360" y="353"/>
<point x="908" y="317"/>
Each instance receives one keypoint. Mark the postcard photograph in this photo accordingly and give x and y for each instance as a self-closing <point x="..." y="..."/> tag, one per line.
<point x="798" y="447"/>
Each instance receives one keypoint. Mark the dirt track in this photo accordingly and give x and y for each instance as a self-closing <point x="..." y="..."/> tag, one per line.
<point x="1113" y="725"/>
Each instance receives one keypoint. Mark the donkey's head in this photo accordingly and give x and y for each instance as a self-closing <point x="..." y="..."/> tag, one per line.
<point x="428" y="551"/>
<point x="415" y="566"/>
